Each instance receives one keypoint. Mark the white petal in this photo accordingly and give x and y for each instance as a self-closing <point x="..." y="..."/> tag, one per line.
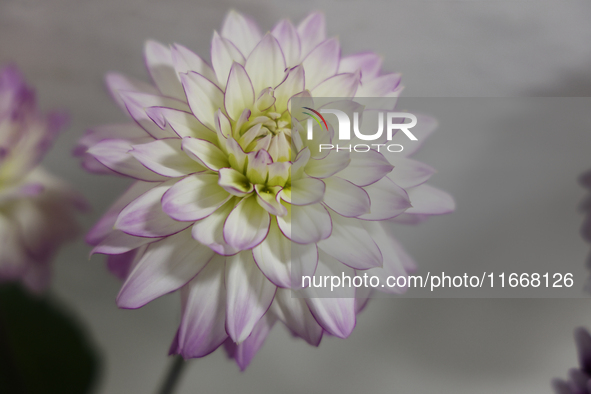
<point x="289" y="40"/>
<point x="239" y="92"/>
<point x="234" y="182"/>
<point x="388" y="200"/>
<point x="345" y="198"/>
<point x="295" y="314"/>
<point x="204" y="97"/>
<point x="366" y="168"/>
<point x="329" y="165"/>
<point x="249" y="293"/>
<point x="144" y="216"/>
<point x="166" y="158"/>
<point x="205" y="153"/>
<point x="162" y="70"/>
<point x="425" y="126"/>
<point x="312" y="31"/>
<point x="184" y="124"/>
<point x="209" y="231"/>
<point x="305" y="224"/>
<point x="223" y="55"/>
<point x="294" y="83"/>
<point x="116" y="82"/>
<point x="266" y="64"/>
<point x="117" y="242"/>
<point x="408" y="172"/>
<point x="341" y="85"/>
<point x="337" y="313"/>
<point x="247" y="225"/>
<point x="305" y="191"/>
<point x="114" y="154"/>
<point x="428" y="200"/>
<point x="242" y="31"/>
<point x="185" y="61"/>
<point x="322" y="62"/>
<point x="202" y="327"/>
<point x="193" y="198"/>
<point x="369" y="63"/>
<point x="351" y="244"/>
<point x="166" y="265"/>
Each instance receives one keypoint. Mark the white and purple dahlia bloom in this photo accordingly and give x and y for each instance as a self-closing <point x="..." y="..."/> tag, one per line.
<point x="37" y="210"/>
<point x="217" y="169"/>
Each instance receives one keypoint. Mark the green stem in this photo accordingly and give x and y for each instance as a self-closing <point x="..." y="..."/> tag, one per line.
<point x="172" y="378"/>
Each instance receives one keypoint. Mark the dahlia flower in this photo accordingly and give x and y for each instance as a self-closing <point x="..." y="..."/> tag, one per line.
<point x="229" y="198"/>
<point x="579" y="381"/>
<point x="36" y="209"/>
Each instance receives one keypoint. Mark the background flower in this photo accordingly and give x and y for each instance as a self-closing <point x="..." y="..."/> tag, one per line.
<point x="224" y="187"/>
<point x="36" y="209"/>
<point x="579" y="381"/>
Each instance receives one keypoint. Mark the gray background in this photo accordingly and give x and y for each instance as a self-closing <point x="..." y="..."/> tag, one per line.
<point x="514" y="182"/>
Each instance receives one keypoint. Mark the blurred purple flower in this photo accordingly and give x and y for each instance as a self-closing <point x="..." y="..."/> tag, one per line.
<point x="211" y="212"/>
<point x="36" y="209"/>
<point x="579" y="381"/>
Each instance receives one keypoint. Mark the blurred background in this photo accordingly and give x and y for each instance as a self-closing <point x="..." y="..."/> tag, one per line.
<point x="514" y="178"/>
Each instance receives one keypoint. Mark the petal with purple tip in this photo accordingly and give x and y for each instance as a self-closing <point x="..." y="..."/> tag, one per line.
<point x="345" y="198"/>
<point x="249" y="293"/>
<point x="144" y="217"/>
<point x="366" y="168"/>
<point x="388" y="200"/>
<point x="223" y="55"/>
<point x="428" y="200"/>
<point x="312" y="31"/>
<point x="166" y="158"/>
<point x="289" y="40"/>
<point x="322" y="62"/>
<point x="242" y="31"/>
<point x="166" y="266"/>
<point x="204" y="97"/>
<point x="295" y="314"/>
<point x="210" y="231"/>
<point x="203" y="300"/>
<point x="305" y="224"/>
<point x="162" y="70"/>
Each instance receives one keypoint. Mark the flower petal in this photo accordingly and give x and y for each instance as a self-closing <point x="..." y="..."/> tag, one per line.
<point x="425" y="126"/>
<point x="388" y="200"/>
<point x="345" y="198"/>
<point x="329" y="165"/>
<point x="428" y="200"/>
<point x="144" y="216"/>
<point x="210" y="231"/>
<point x="239" y="92"/>
<point x="117" y="82"/>
<point x="266" y="65"/>
<point x="114" y="154"/>
<point x="294" y="83"/>
<point x="305" y="224"/>
<point x="295" y="314"/>
<point x="289" y="40"/>
<point x="241" y="30"/>
<point x="166" y="265"/>
<point x="184" y="124"/>
<point x="366" y="168"/>
<point x="273" y="257"/>
<point x="369" y="63"/>
<point x="117" y="242"/>
<point x="204" y="97"/>
<point x="205" y="152"/>
<point x="166" y="158"/>
<point x="380" y="86"/>
<point x="203" y="299"/>
<point x="193" y="198"/>
<point x="337" y="313"/>
<point x="185" y="61"/>
<point x="249" y="295"/>
<point x="161" y="68"/>
<point x="341" y="85"/>
<point x="223" y="55"/>
<point x="105" y="225"/>
<point x="312" y="31"/>
<point x="408" y="172"/>
<point x="245" y="352"/>
<point x="322" y="62"/>
<point x="247" y="225"/>
<point x="351" y="244"/>
<point x="306" y="191"/>
<point x="234" y="182"/>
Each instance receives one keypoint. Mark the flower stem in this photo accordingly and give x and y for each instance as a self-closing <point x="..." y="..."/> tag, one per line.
<point x="172" y="377"/>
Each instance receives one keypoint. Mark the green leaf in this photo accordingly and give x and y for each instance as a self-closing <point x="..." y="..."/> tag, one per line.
<point x="42" y="348"/>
